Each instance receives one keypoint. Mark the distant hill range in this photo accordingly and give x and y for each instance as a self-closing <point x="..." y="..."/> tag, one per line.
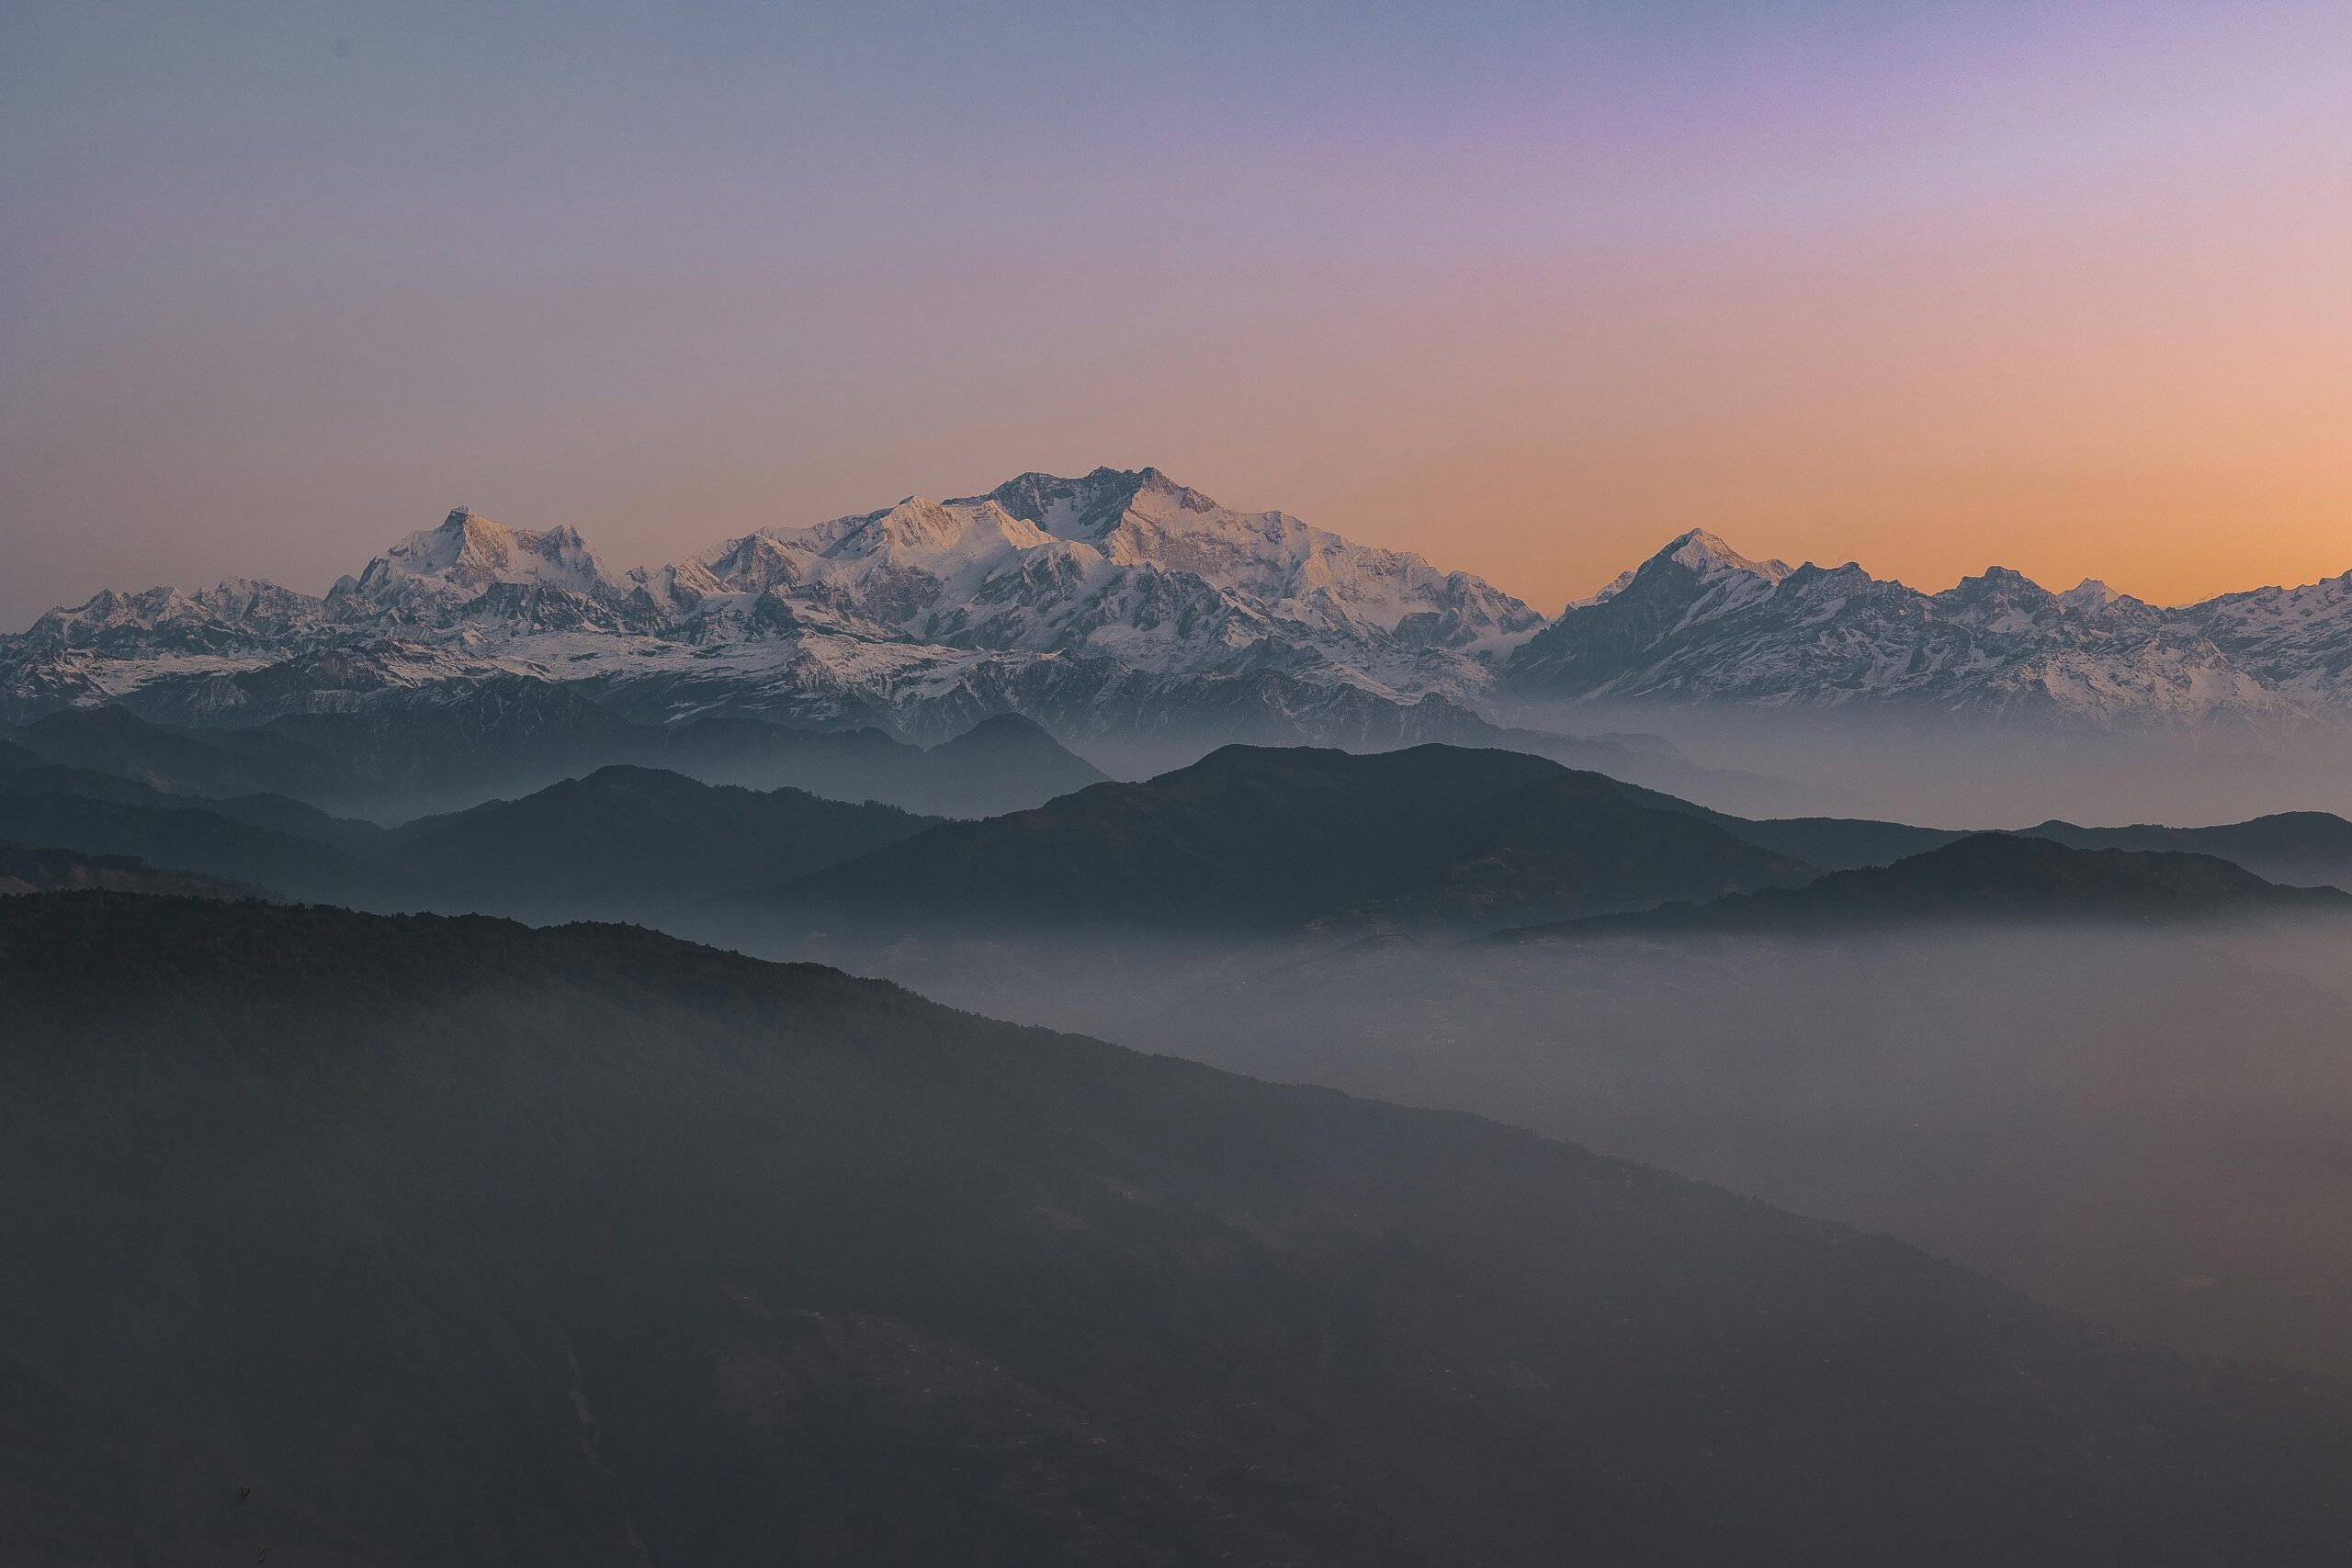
<point x="264" y="842"/>
<point x="1256" y="839"/>
<point x="2301" y="847"/>
<point x="622" y="842"/>
<point x="453" y="1242"/>
<point x="510" y="737"/>
<point x="2003" y="877"/>
<point x="1248" y="843"/>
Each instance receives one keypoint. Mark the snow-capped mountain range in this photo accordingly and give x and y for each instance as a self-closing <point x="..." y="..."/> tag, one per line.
<point x="1121" y="600"/>
<point x="1699" y="622"/>
<point x="1125" y="604"/>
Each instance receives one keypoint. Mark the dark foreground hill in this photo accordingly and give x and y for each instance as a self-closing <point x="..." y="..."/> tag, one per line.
<point x="1254" y="839"/>
<point x="1986" y="877"/>
<point x="349" y="1239"/>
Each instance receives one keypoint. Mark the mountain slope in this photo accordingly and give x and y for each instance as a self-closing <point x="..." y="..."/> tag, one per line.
<point x="1988" y="876"/>
<point x="1003" y="763"/>
<point x="188" y="837"/>
<point x="178" y="759"/>
<point x="275" y="812"/>
<point x="634" y="840"/>
<point x="26" y="869"/>
<point x="1257" y="839"/>
<point x="2306" y="848"/>
<point x="1840" y="843"/>
<point x="459" y="1242"/>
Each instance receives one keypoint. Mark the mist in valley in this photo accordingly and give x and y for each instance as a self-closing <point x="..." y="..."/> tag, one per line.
<point x="1957" y="770"/>
<point x="2149" y="1126"/>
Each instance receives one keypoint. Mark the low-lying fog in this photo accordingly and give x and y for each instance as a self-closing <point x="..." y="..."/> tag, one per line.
<point x="2152" y="1128"/>
<point x="1959" y="771"/>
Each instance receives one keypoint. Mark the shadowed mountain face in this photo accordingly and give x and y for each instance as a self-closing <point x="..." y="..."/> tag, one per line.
<point x="634" y="839"/>
<point x="25" y="773"/>
<point x="1005" y="763"/>
<point x="101" y="815"/>
<point x="1257" y="840"/>
<point x="458" y="1242"/>
<point x="622" y="842"/>
<point x="210" y="763"/>
<point x="1998" y="878"/>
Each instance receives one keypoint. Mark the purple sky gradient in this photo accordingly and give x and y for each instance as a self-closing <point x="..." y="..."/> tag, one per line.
<point x="1526" y="287"/>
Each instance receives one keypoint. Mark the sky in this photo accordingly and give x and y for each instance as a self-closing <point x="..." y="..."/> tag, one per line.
<point x="1528" y="288"/>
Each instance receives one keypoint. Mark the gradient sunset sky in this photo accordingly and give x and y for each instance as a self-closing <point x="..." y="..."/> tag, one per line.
<point x="1526" y="287"/>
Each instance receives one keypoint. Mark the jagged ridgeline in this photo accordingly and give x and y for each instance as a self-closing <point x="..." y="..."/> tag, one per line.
<point x="1123" y="605"/>
<point x="1700" y="622"/>
<point x="349" y="1239"/>
<point x="1121" y="601"/>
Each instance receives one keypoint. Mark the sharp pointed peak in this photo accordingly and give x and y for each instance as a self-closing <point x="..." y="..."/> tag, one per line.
<point x="1707" y="554"/>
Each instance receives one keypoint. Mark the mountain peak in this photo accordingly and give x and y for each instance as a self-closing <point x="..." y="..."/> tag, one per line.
<point x="2001" y="578"/>
<point x="469" y="553"/>
<point x="1707" y="555"/>
<point x="1089" y="507"/>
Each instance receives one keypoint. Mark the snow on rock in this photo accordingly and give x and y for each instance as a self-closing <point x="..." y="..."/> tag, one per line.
<point x="1045" y="591"/>
<point x="1698" y="621"/>
<point x="1122" y="601"/>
